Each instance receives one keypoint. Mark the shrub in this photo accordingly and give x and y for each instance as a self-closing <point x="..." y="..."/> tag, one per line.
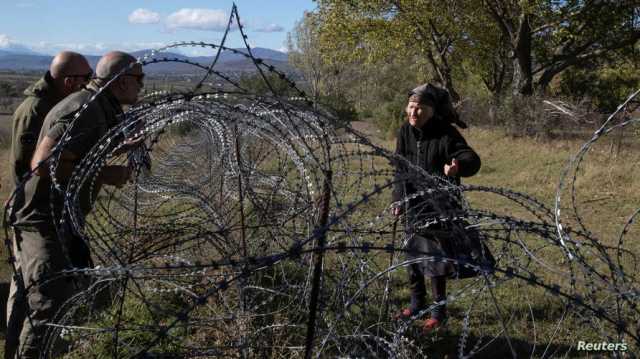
<point x="534" y="116"/>
<point x="343" y="108"/>
<point x="606" y="87"/>
<point x="391" y="114"/>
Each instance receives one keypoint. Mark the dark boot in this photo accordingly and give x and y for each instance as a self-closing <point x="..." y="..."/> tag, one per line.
<point x="439" y="294"/>
<point x="418" y="293"/>
<point x="418" y="288"/>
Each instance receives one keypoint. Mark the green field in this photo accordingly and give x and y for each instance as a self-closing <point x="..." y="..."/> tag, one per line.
<point x="607" y="195"/>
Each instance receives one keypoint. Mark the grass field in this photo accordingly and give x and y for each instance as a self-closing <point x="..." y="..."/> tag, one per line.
<point x="606" y="195"/>
<point x="608" y="190"/>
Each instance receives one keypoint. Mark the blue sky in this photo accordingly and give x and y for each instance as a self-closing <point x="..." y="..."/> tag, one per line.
<point x="94" y="27"/>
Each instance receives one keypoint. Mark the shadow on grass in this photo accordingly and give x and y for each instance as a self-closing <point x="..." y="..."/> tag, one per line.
<point x="445" y="345"/>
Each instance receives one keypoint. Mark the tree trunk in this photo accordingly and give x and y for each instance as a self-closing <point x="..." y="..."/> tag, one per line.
<point x="543" y="82"/>
<point x="523" y="74"/>
<point x="444" y="76"/>
<point x="448" y="84"/>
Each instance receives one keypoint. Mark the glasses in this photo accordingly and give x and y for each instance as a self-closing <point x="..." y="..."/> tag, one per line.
<point x="87" y="77"/>
<point x="138" y="78"/>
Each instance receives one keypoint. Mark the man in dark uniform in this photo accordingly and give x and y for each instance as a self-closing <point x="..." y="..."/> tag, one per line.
<point x="68" y="73"/>
<point x="429" y="141"/>
<point x="41" y="250"/>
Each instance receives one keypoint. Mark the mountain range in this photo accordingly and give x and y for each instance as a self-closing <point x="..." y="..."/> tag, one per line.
<point x="16" y="49"/>
<point x="227" y="62"/>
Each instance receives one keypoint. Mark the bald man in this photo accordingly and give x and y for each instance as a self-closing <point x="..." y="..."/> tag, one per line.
<point x="34" y="225"/>
<point x="68" y="73"/>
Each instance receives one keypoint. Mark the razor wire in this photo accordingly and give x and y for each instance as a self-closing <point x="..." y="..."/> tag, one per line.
<point x="259" y="226"/>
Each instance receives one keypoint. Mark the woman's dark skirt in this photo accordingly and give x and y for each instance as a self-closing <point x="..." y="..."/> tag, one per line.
<point x="449" y="249"/>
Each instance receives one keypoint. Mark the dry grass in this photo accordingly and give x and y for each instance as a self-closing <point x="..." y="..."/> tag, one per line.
<point x="606" y="186"/>
<point x="607" y="195"/>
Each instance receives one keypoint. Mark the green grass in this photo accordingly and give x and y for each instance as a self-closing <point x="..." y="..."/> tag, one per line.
<point x="606" y="187"/>
<point x="607" y="195"/>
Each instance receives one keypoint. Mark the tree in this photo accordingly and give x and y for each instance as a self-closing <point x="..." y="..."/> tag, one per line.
<point x="254" y="82"/>
<point x="328" y="82"/>
<point x="372" y="31"/>
<point x="522" y="43"/>
<point x="486" y="50"/>
<point x="606" y="85"/>
<point x="304" y="53"/>
<point x="548" y="36"/>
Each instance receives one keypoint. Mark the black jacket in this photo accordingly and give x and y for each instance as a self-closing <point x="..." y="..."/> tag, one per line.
<point x="430" y="148"/>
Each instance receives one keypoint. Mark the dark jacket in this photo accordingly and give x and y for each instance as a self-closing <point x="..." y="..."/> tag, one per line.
<point x="94" y="121"/>
<point x="27" y="121"/>
<point x="430" y="148"/>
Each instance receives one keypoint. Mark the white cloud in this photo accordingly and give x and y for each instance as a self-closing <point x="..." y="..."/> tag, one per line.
<point x="134" y="46"/>
<point x="198" y="19"/>
<point x="8" y="44"/>
<point x="83" y="48"/>
<point x="5" y="41"/>
<point x="270" y="28"/>
<point x="94" y="48"/>
<point x="196" y="51"/>
<point x="144" y="16"/>
<point x="283" y="49"/>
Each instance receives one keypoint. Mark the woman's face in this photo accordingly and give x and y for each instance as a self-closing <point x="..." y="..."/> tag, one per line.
<point x="418" y="114"/>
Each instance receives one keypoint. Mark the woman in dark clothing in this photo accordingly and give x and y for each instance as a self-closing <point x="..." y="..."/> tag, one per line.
<point x="429" y="142"/>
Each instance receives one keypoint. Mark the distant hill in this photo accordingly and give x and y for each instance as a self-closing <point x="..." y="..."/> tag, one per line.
<point x="228" y="61"/>
<point x="15" y="49"/>
<point x="226" y="56"/>
<point x="12" y="61"/>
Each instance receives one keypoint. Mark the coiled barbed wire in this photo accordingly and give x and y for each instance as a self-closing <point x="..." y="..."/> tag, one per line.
<point x="256" y="225"/>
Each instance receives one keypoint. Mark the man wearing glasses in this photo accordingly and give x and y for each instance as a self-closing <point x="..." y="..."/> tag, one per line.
<point x="68" y="73"/>
<point x="34" y="225"/>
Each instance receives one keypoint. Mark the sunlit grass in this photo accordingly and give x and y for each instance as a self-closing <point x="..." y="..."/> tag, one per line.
<point x="608" y="194"/>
